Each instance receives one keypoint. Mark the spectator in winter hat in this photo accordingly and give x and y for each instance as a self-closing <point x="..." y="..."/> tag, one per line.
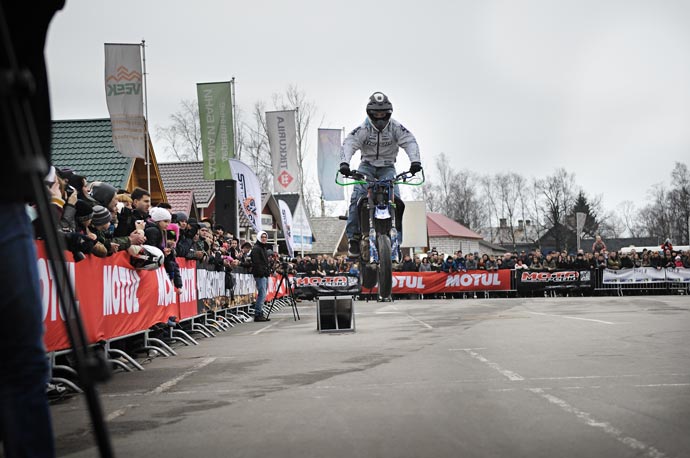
<point x="101" y="218"/>
<point x="84" y="213"/>
<point x="156" y="229"/>
<point x="104" y="194"/>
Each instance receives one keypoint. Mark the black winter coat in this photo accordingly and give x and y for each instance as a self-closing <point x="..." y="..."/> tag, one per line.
<point x="260" y="265"/>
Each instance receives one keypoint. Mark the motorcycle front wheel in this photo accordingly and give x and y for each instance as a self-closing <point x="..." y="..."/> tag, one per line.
<point x="385" y="268"/>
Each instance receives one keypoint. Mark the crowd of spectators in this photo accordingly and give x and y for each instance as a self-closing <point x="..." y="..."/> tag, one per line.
<point x="535" y="260"/>
<point x="97" y="219"/>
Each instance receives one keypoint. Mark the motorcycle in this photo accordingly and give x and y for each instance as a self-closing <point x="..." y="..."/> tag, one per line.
<point x="380" y="220"/>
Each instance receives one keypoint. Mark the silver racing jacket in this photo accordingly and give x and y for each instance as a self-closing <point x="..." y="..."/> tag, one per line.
<point x="379" y="148"/>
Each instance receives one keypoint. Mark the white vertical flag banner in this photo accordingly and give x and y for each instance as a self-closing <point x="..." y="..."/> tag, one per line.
<point x="286" y="216"/>
<point x="328" y="160"/>
<point x="248" y="192"/>
<point x="125" y="98"/>
<point x="282" y="137"/>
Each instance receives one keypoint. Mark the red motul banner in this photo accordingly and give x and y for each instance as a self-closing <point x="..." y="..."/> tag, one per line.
<point x="113" y="298"/>
<point x="188" y="298"/>
<point x="436" y="282"/>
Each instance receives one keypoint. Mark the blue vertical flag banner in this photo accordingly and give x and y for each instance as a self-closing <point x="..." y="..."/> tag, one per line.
<point x="248" y="191"/>
<point x="217" y="136"/>
<point x="328" y="161"/>
<point x="125" y="98"/>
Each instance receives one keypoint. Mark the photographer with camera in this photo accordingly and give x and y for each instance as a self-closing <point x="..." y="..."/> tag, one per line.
<point x="261" y="270"/>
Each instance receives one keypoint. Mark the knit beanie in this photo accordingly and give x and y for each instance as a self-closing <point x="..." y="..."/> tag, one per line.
<point x="101" y="215"/>
<point x="84" y="211"/>
<point x="181" y="216"/>
<point x="103" y="193"/>
<point x="159" y="214"/>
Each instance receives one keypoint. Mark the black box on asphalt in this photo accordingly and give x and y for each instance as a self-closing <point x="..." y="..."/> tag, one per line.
<point x="335" y="314"/>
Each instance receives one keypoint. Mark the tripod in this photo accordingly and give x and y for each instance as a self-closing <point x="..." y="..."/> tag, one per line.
<point x="289" y="298"/>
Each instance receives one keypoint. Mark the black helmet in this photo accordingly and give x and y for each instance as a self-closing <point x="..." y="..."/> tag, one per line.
<point x="379" y="110"/>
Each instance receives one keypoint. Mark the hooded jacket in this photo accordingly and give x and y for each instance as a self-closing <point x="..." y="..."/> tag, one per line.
<point x="380" y="148"/>
<point x="259" y="256"/>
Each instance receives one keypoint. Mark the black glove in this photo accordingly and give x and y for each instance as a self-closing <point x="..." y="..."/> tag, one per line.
<point x="345" y="169"/>
<point x="415" y="167"/>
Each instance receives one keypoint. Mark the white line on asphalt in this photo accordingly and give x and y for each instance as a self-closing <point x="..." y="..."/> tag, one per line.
<point x="466" y="349"/>
<point x="585" y="417"/>
<point x="509" y="374"/>
<point x="170" y="383"/>
<point x="573" y="377"/>
<point x="262" y="329"/>
<point x="119" y="412"/>
<point x="572" y="317"/>
<point x="428" y="326"/>
<point x="659" y="385"/>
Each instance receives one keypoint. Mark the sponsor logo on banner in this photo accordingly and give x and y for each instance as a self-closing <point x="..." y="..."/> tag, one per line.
<point x="282" y="139"/>
<point x="325" y="281"/>
<point x="248" y="191"/>
<point x="124" y="98"/>
<point x="216" y="126"/>
<point x="166" y="290"/>
<point x="286" y="218"/>
<point x="120" y="288"/>
<point x="210" y="284"/>
<point x="556" y="277"/>
<point x="51" y="304"/>
<point x="473" y="279"/>
<point x="124" y="82"/>
<point x="408" y="281"/>
<point x="188" y="284"/>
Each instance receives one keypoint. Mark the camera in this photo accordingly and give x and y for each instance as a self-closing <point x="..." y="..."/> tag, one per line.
<point x="69" y="190"/>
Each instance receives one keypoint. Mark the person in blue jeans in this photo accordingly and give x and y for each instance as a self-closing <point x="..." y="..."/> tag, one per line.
<point x="378" y="139"/>
<point x="261" y="270"/>
<point x="25" y="422"/>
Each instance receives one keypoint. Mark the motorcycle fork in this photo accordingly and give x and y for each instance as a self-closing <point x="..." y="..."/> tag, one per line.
<point x="373" y="251"/>
<point x="394" y="231"/>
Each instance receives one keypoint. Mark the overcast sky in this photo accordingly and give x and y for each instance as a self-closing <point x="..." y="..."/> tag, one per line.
<point x="600" y="87"/>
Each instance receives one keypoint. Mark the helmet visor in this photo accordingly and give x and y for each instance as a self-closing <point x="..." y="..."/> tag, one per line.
<point x="379" y="114"/>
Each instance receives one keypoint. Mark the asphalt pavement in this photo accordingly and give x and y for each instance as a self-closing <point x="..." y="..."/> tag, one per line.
<point x="538" y="377"/>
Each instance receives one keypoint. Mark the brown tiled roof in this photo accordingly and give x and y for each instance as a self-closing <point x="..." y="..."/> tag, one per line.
<point x="440" y="225"/>
<point x="328" y="234"/>
<point x="181" y="201"/>
<point x="186" y="176"/>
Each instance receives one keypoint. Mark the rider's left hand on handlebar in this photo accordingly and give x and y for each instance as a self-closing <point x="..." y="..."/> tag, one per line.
<point x="415" y="167"/>
<point x="345" y="169"/>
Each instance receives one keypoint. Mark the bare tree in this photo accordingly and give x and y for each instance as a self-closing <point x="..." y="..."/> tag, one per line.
<point x="182" y="137"/>
<point x="627" y="213"/>
<point x="504" y="195"/>
<point x="256" y="151"/>
<point x="667" y="215"/>
<point x="454" y="194"/>
<point x="557" y="199"/>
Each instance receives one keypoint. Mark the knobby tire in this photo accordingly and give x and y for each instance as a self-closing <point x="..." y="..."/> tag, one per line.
<point x="385" y="267"/>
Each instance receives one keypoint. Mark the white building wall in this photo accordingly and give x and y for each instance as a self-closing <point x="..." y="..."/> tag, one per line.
<point x="449" y="245"/>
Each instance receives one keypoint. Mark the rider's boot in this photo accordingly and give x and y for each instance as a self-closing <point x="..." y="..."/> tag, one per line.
<point x="353" y="248"/>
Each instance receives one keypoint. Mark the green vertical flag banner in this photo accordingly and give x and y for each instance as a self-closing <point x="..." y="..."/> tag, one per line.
<point x="217" y="137"/>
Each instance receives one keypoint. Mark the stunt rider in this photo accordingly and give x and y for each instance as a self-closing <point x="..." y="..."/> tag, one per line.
<point x="378" y="139"/>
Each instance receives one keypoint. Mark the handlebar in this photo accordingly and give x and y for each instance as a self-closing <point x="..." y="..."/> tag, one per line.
<point x="358" y="177"/>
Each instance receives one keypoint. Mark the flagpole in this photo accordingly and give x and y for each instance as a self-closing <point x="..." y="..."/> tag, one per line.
<point x="234" y="118"/>
<point x="146" y="123"/>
